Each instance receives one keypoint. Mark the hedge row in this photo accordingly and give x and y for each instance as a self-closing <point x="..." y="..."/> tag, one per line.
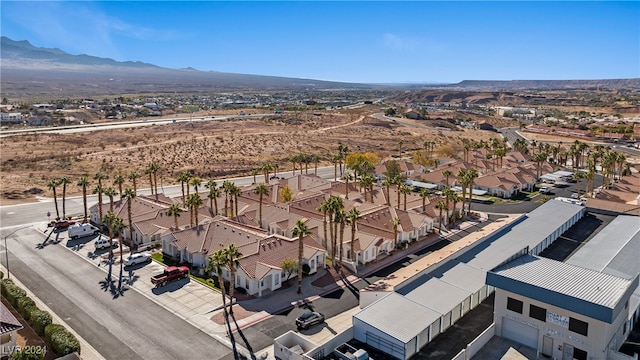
<point x="57" y="336"/>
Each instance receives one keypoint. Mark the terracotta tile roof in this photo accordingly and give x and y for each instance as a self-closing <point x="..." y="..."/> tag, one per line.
<point x="8" y="322"/>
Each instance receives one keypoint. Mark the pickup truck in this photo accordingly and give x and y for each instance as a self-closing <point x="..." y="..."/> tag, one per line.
<point x="348" y="352"/>
<point x="170" y="274"/>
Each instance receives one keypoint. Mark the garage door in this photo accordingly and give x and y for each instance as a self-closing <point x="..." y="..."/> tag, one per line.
<point x="520" y="333"/>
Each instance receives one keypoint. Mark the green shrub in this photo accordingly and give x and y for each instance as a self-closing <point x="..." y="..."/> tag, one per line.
<point x="62" y="342"/>
<point x="12" y="292"/>
<point x="39" y="320"/>
<point x="24" y="305"/>
<point x="29" y="354"/>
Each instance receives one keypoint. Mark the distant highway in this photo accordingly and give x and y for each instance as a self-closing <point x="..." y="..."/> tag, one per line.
<point x="120" y="125"/>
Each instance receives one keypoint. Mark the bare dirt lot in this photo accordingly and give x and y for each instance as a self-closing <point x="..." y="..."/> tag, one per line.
<point x="210" y="149"/>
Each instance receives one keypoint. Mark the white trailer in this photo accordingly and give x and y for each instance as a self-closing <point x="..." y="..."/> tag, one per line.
<point x="81" y="230"/>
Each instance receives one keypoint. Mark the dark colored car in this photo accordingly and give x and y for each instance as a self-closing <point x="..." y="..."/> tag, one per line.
<point x="60" y="224"/>
<point x="309" y="319"/>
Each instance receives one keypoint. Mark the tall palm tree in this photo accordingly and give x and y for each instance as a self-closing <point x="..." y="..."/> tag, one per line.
<point x="341" y="220"/>
<point x="324" y="208"/>
<point x="455" y="199"/>
<point x="300" y="230"/>
<point x="99" y="190"/>
<point x="189" y="206"/>
<point x="336" y="160"/>
<point x="84" y="182"/>
<point x="129" y="195"/>
<point x="149" y="171"/>
<point x="119" y="180"/>
<point x="118" y="228"/>
<point x="261" y="190"/>
<point x="52" y="184"/>
<point x="398" y="181"/>
<point x="133" y="176"/>
<point x="395" y="222"/>
<point x="347" y="177"/>
<point x="235" y="191"/>
<point x="354" y="216"/>
<point x="195" y="182"/>
<point x="184" y="177"/>
<point x="441" y="205"/>
<point x="233" y="255"/>
<point x="337" y="205"/>
<point x="214" y="194"/>
<point x="462" y="180"/>
<point x="195" y="201"/>
<point x="110" y="218"/>
<point x="294" y="161"/>
<point x="155" y="167"/>
<point x="111" y="193"/>
<point x="577" y="176"/>
<point x="226" y="188"/>
<point x="64" y="181"/>
<point x="472" y="174"/>
<point x="387" y="182"/>
<point x="424" y="193"/>
<point x="404" y="190"/>
<point x="175" y="210"/>
<point x="446" y="175"/>
<point x="448" y="194"/>
<point x="217" y="262"/>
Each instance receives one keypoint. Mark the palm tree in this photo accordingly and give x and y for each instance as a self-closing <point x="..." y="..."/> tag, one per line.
<point x="195" y="201"/>
<point x="577" y="175"/>
<point x="129" y="194"/>
<point x="424" y="193"/>
<point x="266" y="169"/>
<point x="184" y="177"/>
<point x="387" y="182"/>
<point x="400" y="144"/>
<point x="446" y="175"/>
<point x="341" y="219"/>
<point x="175" y="210"/>
<point x="52" y="186"/>
<point x="261" y="190"/>
<point x="155" y="167"/>
<point x="84" y="182"/>
<point x="404" y="190"/>
<point x="99" y="190"/>
<point x="64" y="181"/>
<point x="398" y="181"/>
<point x="149" y="171"/>
<point x="119" y="226"/>
<point x="354" y="216"/>
<point x="226" y="188"/>
<point x="324" y="208"/>
<point x="119" y="180"/>
<point x="235" y="191"/>
<point x="110" y="218"/>
<point x="254" y="173"/>
<point x="448" y="194"/>
<point x="472" y="174"/>
<point x="455" y="198"/>
<point x="441" y="205"/>
<point x="111" y="193"/>
<point x="195" y="182"/>
<point x="133" y="176"/>
<point x="300" y="230"/>
<point x="395" y="222"/>
<point x="336" y="160"/>
<point x="232" y="254"/>
<point x="347" y="177"/>
<point x="214" y="194"/>
<point x="217" y="262"/>
<point x="294" y="161"/>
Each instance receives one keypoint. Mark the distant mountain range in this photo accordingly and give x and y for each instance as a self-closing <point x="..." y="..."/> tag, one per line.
<point x="28" y="71"/>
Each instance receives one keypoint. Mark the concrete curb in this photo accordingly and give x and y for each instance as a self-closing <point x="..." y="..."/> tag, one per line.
<point x="87" y="352"/>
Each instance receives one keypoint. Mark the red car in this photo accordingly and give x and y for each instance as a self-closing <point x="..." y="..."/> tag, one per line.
<point x="170" y="274"/>
<point x="60" y="224"/>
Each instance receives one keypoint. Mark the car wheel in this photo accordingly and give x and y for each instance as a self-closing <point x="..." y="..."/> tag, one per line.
<point x="164" y="283"/>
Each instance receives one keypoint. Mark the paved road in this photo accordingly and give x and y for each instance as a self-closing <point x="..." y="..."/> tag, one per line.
<point x="118" y="327"/>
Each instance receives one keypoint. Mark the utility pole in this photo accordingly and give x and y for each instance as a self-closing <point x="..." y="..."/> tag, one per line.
<point x="6" y="250"/>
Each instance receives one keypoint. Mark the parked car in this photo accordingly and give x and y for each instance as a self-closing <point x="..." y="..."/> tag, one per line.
<point x="170" y="274"/>
<point x="309" y="319"/>
<point x="79" y="230"/>
<point x="61" y="224"/>
<point x="544" y="190"/>
<point x="104" y="241"/>
<point x="138" y="258"/>
<point x="574" y="195"/>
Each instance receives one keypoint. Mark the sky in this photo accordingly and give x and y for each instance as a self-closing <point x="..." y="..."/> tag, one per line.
<point x="348" y="41"/>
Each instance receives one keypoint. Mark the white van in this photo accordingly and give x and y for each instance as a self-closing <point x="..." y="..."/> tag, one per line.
<point x="80" y="230"/>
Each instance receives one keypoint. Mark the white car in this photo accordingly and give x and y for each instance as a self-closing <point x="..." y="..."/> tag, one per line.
<point x="138" y="258"/>
<point x="544" y="190"/>
<point x="104" y="241"/>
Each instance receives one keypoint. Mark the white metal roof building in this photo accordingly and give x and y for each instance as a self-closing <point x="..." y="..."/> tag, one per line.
<point x="457" y="286"/>
<point x="562" y="310"/>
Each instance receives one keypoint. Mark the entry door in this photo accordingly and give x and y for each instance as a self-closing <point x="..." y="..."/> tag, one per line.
<point x="547" y="346"/>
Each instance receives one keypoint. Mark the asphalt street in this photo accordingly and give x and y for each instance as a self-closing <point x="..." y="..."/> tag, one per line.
<point x="127" y="326"/>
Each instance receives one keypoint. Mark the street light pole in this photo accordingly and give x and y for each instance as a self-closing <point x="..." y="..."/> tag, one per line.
<point x="6" y="249"/>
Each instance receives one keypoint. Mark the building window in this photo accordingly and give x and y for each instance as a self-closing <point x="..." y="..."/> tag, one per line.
<point x="514" y="305"/>
<point x="578" y="326"/>
<point x="277" y="282"/>
<point x="537" y="313"/>
<point x="624" y="328"/>
<point x="579" y="354"/>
